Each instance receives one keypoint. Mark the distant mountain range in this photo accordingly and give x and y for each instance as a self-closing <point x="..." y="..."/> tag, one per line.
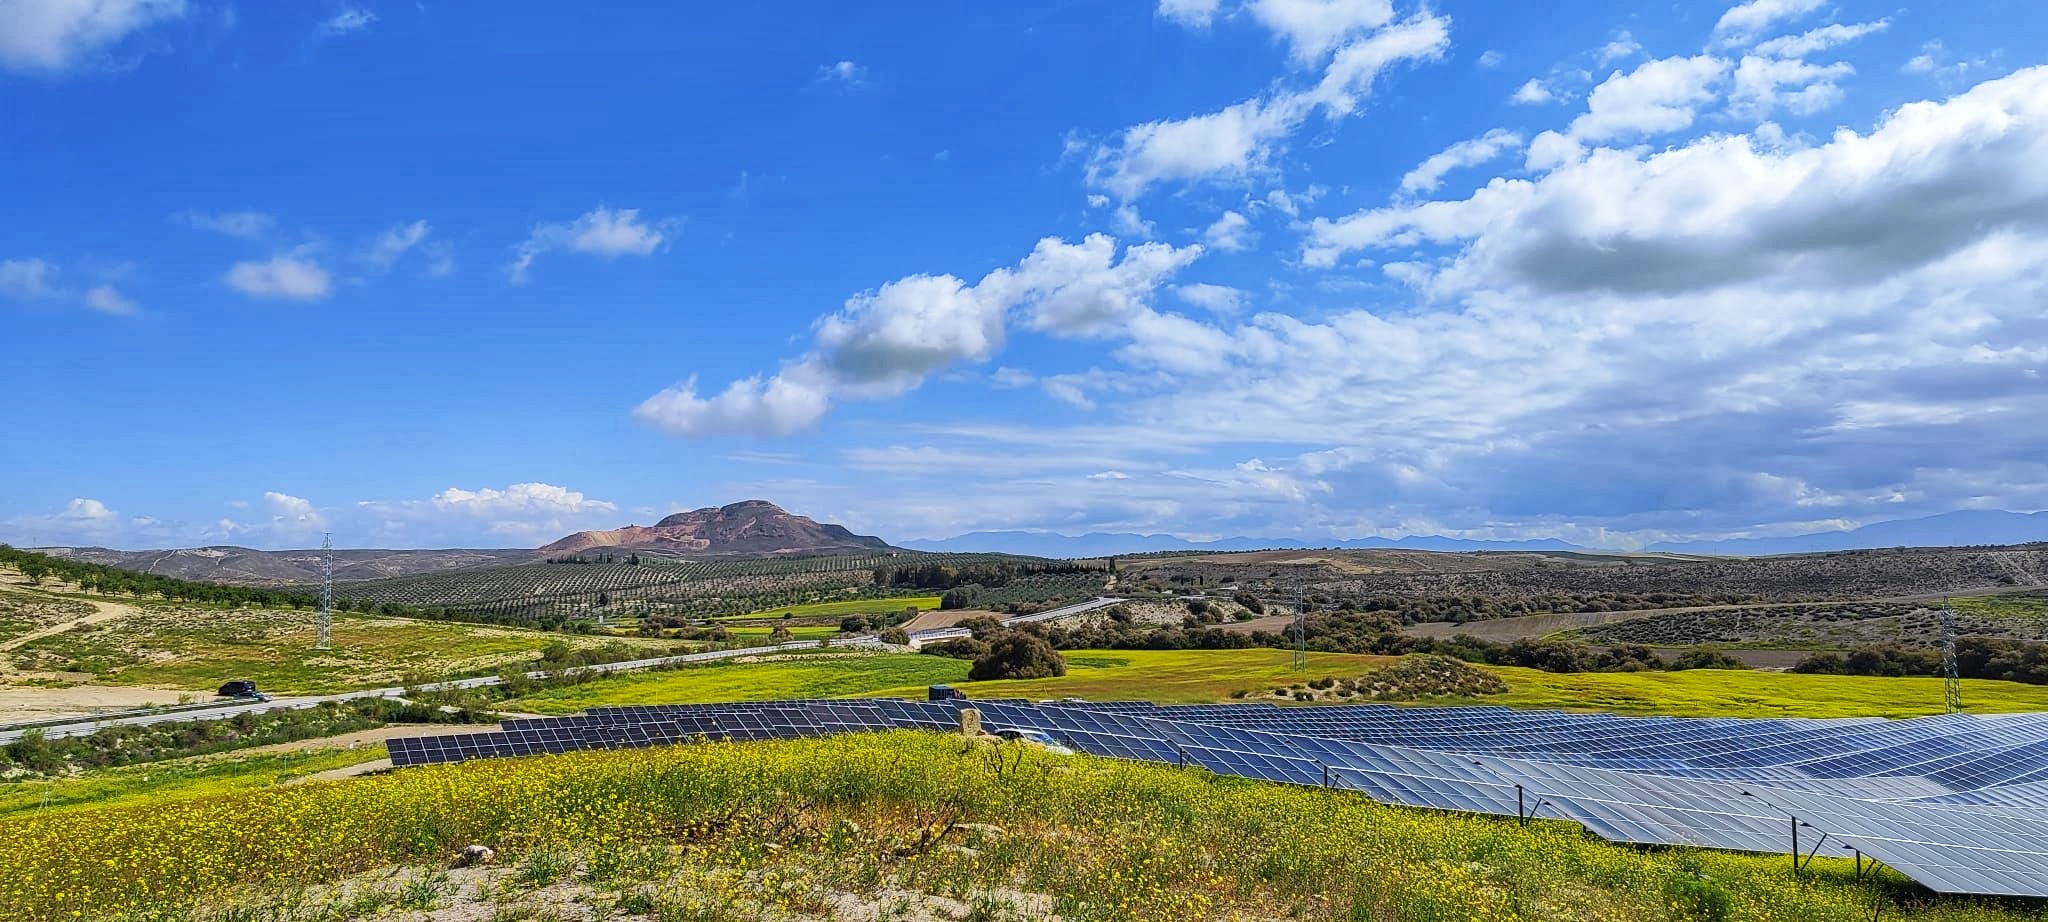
<point x="751" y="528"/>
<point x="1950" y="529"/>
<point x="1101" y="544"/>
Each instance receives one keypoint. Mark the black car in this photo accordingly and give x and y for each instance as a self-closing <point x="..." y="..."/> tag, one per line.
<point x="240" y="688"/>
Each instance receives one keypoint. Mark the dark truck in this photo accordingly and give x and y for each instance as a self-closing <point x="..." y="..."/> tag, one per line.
<point x="944" y="693"/>
<point x="242" y="688"/>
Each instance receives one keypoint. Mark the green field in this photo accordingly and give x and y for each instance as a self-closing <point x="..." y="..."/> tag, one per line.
<point x="198" y="648"/>
<point x="1192" y="676"/>
<point x="837" y="610"/>
<point x="762" y="633"/>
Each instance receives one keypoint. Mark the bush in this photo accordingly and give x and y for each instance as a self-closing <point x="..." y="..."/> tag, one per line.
<point x="959" y="597"/>
<point x="897" y="636"/>
<point x="964" y="648"/>
<point x="1250" y="603"/>
<point x="1705" y="659"/>
<point x="1019" y="655"/>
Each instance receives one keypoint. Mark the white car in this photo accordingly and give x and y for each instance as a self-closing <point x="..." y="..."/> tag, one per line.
<point x="1038" y="738"/>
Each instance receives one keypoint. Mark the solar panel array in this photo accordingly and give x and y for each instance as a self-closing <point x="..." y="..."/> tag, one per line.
<point x="1958" y="803"/>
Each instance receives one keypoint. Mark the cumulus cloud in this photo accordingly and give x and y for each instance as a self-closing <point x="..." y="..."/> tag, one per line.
<point x="1764" y="85"/>
<point x="1534" y="93"/>
<point x="51" y="37"/>
<point x="1217" y="299"/>
<point x="287" y="276"/>
<point x="1231" y="232"/>
<point x="887" y="341"/>
<point x="1932" y="177"/>
<point x="523" y="514"/>
<point x="1241" y="141"/>
<point x="1428" y="175"/>
<point x="602" y="232"/>
<point x="1622" y="46"/>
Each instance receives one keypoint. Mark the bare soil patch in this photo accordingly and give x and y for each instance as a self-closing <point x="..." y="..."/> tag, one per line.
<point x="934" y="620"/>
<point x="21" y="703"/>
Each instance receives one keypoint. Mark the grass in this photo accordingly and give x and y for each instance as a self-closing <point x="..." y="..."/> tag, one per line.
<point x="2029" y="607"/>
<point x="790" y="829"/>
<point x="796" y="632"/>
<point x="176" y="780"/>
<point x="1748" y="693"/>
<point x="1193" y="676"/>
<point x="199" y="648"/>
<point x="848" y="607"/>
<point x="808" y="676"/>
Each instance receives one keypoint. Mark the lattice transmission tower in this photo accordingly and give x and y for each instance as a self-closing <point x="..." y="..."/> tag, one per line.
<point x="326" y="590"/>
<point x="1951" y="675"/>
<point x="1300" y="633"/>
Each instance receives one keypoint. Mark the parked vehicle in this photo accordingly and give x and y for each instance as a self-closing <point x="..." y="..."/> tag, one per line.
<point x="242" y="688"/>
<point x="1038" y="738"/>
<point x="944" y="693"/>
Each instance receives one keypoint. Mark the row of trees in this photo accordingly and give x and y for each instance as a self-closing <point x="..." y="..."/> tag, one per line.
<point x="1976" y="658"/>
<point x="106" y="580"/>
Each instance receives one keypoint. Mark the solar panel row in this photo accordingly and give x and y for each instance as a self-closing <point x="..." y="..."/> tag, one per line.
<point x="1957" y="802"/>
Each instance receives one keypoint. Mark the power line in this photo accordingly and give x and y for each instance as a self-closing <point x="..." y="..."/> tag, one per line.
<point x="1951" y="674"/>
<point x="326" y="590"/>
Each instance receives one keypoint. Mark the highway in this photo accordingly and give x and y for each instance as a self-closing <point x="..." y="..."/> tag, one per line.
<point x="232" y="707"/>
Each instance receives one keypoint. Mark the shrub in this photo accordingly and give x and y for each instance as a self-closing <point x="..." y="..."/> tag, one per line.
<point x="1250" y="603"/>
<point x="897" y="636"/>
<point x="1018" y="655"/>
<point x="1704" y="658"/>
<point x="963" y="648"/>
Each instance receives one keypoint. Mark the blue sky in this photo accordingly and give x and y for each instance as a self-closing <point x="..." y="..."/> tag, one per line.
<point x="425" y="275"/>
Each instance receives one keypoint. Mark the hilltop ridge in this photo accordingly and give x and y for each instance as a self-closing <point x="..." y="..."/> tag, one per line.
<point x="751" y="527"/>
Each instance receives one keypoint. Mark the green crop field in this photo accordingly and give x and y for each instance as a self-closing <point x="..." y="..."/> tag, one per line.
<point x="198" y="648"/>
<point x="1191" y="676"/>
<point x="897" y="825"/>
<point x="2028" y="607"/>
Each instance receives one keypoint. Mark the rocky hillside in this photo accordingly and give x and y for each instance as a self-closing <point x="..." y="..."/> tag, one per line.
<point x="751" y="528"/>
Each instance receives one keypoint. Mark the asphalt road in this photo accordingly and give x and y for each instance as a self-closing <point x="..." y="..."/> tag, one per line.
<point x="233" y="707"/>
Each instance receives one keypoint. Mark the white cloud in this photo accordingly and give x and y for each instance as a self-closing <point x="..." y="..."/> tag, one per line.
<point x="27" y="279"/>
<point x="1930" y="178"/>
<point x="1534" y="93"/>
<point x="1623" y="46"/>
<point x="1744" y="22"/>
<point x="1109" y="475"/>
<point x="292" y="516"/>
<point x="1194" y="14"/>
<point x="1218" y="299"/>
<point x="247" y="225"/>
<point x="1240" y="141"/>
<point x="603" y="232"/>
<point x="1764" y="85"/>
<point x="107" y="300"/>
<point x="887" y="341"/>
<point x="1130" y="223"/>
<point x="393" y="243"/>
<point x="285" y="275"/>
<point x="1313" y="27"/>
<point x="523" y="514"/>
<point x="1231" y="232"/>
<point x="781" y="405"/>
<point x="54" y="36"/>
<point x="1933" y="60"/>
<point x="1658" y="96"/>
<point x="843" y="73"/>
<point x="1427" y="176"/>
<point x="350" y="19"/>
<point x="1821" y="39"/>
<point x="1491" y="60"/>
